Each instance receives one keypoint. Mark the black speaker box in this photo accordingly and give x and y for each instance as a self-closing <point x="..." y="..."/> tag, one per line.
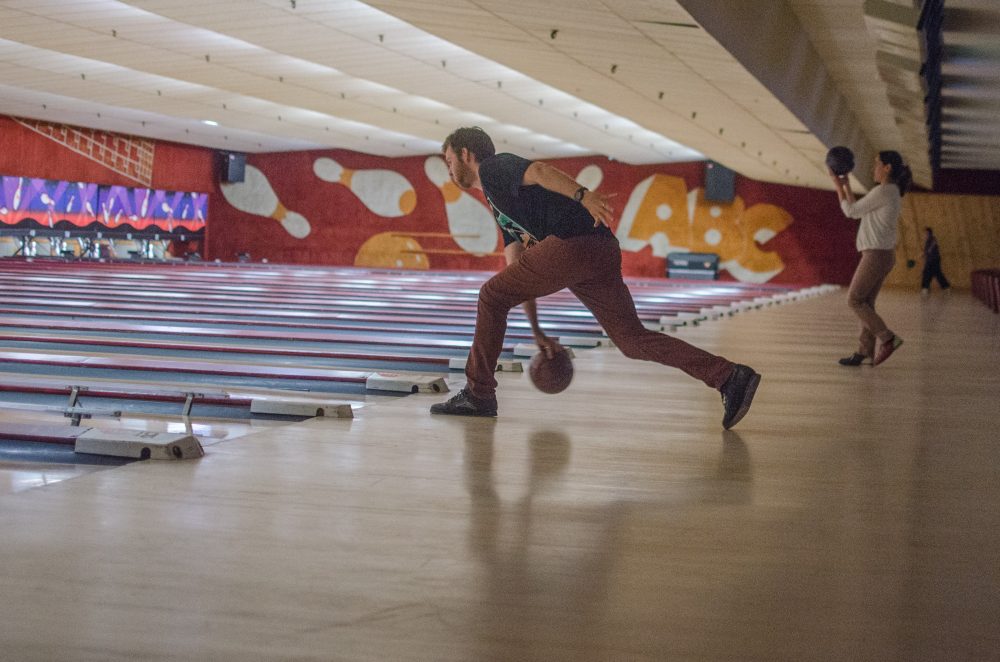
<point x="233" y="167"/>
<point x="720" y="183"/>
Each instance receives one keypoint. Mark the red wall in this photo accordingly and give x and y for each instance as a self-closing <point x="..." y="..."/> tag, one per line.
<point x="815" y="243"/>
<point x="26" y="153"/>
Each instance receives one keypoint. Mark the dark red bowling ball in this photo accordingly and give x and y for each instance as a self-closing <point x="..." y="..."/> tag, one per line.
<point x="551" y="375"/>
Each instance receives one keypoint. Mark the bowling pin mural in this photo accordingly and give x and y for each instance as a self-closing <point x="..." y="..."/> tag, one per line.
<point x="78" y="205"/>
<point x="471" y="224"/>
<point x="760" y="224"/>
<point x="199" y="206"/>
<point x="715" y="226"/>
<point x="656" y="215"/>
<point x="10" y="184"/>
<point x="391" y="250"/>
<point x="591" y="176"/>
<point x="662" y="214"/>
<point x="383" y="192"/>
<point x="50" y="204"/>
<point x="144" y="207"/>
<point x="17" y="194"/>
<point x="254" y="195"/>
<point x="169" y="211"/>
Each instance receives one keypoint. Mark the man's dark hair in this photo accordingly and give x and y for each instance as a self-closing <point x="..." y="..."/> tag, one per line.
<point x="473" y="139"/>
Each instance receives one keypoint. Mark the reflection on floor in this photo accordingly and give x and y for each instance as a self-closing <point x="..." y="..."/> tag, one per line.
<point x="18" y="472"/>
<point x="854" y="514"/>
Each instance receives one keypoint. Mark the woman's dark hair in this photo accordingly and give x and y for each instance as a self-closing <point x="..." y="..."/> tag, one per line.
<point x="899" y="174"/>
<point x="473" y="139"/>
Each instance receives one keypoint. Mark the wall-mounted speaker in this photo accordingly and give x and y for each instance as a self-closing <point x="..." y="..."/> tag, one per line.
<point x="720" y="183"/>
<point x="233" y="167"/>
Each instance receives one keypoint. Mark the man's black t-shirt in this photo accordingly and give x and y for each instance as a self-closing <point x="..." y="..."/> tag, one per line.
<point x="531" y="212"/>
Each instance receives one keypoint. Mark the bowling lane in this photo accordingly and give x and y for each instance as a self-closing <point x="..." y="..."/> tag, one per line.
<point x="77" y="368"/>
<point x="32" y="400"/>
<point x="384" y="336"/>
<point x="273" y="319"/>
<point x="361" y="357"/>
<point x="24" y="453"/>
<point x="296" y="330"/>
<point x="28" y="465"/>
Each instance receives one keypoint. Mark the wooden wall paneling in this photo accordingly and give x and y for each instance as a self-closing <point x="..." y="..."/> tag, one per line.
<point x="967" y="228"/>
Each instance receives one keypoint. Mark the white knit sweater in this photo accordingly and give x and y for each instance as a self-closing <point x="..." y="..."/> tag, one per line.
<point x="879" y="213"/>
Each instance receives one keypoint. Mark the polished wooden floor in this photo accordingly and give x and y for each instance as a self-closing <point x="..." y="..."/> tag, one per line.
<point x="853" y="515"/>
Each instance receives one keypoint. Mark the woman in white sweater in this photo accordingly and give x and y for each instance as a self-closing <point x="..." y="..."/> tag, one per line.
<point x="879" y="214"/>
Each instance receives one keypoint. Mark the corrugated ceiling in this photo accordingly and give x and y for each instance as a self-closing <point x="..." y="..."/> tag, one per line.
<point x="637" y="81"/>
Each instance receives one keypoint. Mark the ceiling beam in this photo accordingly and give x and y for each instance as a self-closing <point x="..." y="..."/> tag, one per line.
<point x="765" y="37"/>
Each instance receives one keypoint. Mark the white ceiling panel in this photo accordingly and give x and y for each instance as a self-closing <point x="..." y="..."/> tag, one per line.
<point x="636" y="80"/>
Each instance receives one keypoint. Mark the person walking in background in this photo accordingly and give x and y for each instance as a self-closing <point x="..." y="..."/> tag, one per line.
<point x="932" y="266"/>
<point x="879" y="213"/>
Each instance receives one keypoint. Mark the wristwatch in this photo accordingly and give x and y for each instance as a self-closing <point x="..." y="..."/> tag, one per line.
<point x="580" y="192"/>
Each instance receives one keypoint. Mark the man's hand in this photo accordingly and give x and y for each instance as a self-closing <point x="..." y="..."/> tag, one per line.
<point x="548" y="345"/>
<point x="599" y="206"/>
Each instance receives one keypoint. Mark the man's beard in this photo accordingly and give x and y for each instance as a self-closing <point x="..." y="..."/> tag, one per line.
<point x="463" y="177"/>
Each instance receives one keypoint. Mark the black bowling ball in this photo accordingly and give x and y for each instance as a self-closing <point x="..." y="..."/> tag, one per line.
<point x="840" y="160"/>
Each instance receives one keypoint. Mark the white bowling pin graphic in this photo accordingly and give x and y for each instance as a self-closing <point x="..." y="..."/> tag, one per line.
<point x="170" y="216"/>
<point x="472" y="226"/>
<point x="17" y="193"/>
<point x="69" y="204"/>
<point x="85" y="205"/>
<point x="145" y="204"/>
<point x="591" y="177"/>
<point x="50" y="203"/>
<point x="384" y="192"/>
<point x="254" y="195"/>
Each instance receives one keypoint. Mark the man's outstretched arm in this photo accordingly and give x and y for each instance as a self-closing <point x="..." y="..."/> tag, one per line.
<point x="548" y="176"/>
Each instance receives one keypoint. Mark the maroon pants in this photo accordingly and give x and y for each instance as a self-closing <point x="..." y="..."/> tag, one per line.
<point x="591" y="267"/>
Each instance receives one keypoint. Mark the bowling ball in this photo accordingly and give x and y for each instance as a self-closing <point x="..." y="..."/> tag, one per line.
<point x="551" y="375"/>
<point x="840" y="160"/>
